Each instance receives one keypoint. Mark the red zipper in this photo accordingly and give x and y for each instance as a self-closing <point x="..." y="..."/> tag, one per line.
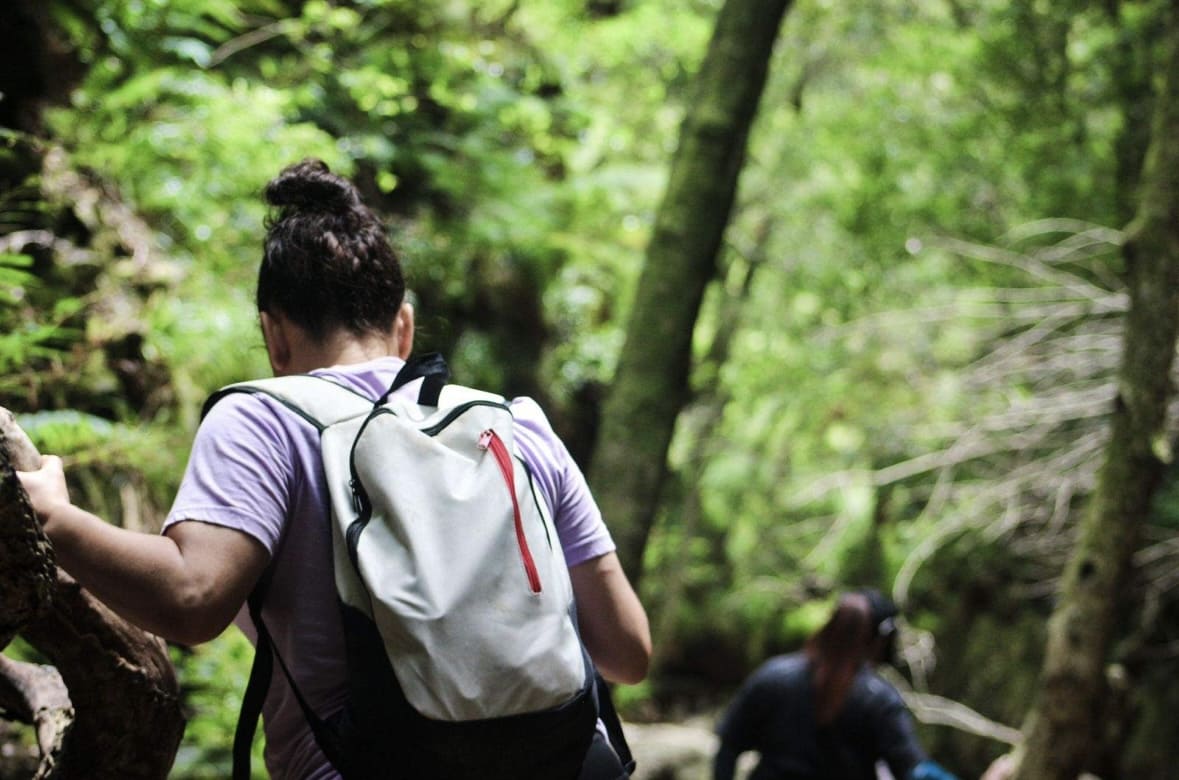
<point x="491" y="440"/>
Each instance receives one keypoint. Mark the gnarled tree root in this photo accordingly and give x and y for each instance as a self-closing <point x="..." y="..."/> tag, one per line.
<point x="122" y="690"/>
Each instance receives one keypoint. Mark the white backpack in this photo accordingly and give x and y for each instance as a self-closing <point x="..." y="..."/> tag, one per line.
<point x="464" y="656"/>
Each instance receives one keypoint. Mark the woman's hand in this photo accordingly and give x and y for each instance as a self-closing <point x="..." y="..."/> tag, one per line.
<point x="46" y="487"/>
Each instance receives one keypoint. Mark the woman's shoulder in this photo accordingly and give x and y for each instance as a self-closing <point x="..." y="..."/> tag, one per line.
<point x="783" y="668"/>
<point x="532" y="424"/>
<point x="526" y="410"/>
<point x="245" y="426"/>
<point x="876" y="692"/>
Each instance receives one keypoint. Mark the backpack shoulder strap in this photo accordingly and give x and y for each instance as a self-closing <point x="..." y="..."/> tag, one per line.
<point x="257" y="687"/>
<point x="453" y="395"/>
<point x="613" y="724"/>
<point x="316" y="399"/>
<point x="432" y="370"/>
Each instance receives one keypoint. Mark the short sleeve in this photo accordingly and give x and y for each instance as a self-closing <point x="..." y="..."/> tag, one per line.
<point x="578" y="520"/>
<point x="239" y="474"/>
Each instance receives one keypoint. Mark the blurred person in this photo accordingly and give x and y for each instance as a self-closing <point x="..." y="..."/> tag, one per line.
<point x="823" y="713"/>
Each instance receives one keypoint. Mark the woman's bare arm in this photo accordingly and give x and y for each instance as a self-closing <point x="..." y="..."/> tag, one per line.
<point x="185" y="586"/>
<point x="613" y="622"/>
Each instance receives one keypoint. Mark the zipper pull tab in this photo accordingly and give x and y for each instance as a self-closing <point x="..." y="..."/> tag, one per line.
<point x="485" y="439"/>
<point x="356" y="504"/>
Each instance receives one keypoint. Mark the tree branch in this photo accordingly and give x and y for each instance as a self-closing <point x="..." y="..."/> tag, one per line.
<point x="36" y="695"/>
<point x="124" y="690"/>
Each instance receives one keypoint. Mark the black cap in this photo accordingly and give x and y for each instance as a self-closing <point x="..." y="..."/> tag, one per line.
<point x="883" y="610"/>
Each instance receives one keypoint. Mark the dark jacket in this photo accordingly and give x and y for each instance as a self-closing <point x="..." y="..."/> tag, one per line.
<point x="773" y="714"/>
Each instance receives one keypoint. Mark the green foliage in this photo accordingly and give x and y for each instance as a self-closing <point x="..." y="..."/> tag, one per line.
<point x="20" y="650"/>
<point x="1165" y="513"/>
<point x="631" y="698"/>
<point x="91" y="440"/>
<point x="519" y="151"/>
<point x="26" y="340"/>
<point x="14" y="275"/>
<point x="66" y="431"/>
<point x="120" y="471"/>
<point x="806" y="620"/>
<point x="213" y="677"/>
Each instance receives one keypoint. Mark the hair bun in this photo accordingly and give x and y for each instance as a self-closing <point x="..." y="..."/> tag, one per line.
<point x="311" y="186"/>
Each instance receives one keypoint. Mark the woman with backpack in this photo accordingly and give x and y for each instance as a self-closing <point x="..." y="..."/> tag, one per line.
<point x="252" y="518"/>
<point x="823" y="713"/>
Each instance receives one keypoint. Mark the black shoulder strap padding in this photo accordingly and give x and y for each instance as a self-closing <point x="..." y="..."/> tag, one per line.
<point x="213" y="399"/>
<point x="247" y="722"/>
<point x="256" y="689"/>
<point x="261" y="672"/>
<point x="613" y="725"/>
<point x="431" y="367"/>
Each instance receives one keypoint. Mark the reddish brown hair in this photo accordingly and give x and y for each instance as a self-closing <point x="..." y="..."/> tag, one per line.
<point x="837" y="651"/>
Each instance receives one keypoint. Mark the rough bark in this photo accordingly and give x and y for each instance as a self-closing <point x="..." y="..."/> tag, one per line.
<point x="36" y="694"/>
<point x="652" y="378"/>
<point x="129" y="719"/>
<point x="127" y="712"/>
<point x="27" y="571"/>
<point x="707" y="409"/>
<point x="1060" y="729"/>
<point x="29" y="693"/>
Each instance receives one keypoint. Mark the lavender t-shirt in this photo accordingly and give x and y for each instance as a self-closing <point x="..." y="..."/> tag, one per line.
<point x="255" y="466"/>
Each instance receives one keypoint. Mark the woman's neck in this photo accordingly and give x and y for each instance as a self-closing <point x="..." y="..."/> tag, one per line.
<point x="293" y="350"/>
<point x="339" y="349"/>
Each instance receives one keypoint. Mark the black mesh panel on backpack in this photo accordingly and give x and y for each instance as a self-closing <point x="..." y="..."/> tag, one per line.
<point x="384" y="737"/>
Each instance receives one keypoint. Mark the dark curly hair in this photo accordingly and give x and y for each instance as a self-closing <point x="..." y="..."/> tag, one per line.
<point x="327" y="262"/>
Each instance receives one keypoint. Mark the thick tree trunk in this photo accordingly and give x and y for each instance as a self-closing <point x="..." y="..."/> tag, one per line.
<point x="27" y="573"/>
<point x="1060" y="729"/>
<point x="127" y="719"/>
<point x="652" y="379"/>
<point x="707" y="413"/>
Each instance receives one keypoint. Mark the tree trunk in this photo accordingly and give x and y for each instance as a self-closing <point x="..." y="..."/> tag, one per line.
<point x="1060" y="729"/>
<point x="126" y="719"/>
<point x="708" y="412"/>
<point x="1132" y="74"/>
<point x="652" y="378"/>
<point x="37" y="64"/>
<point x="27" y="573"/>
